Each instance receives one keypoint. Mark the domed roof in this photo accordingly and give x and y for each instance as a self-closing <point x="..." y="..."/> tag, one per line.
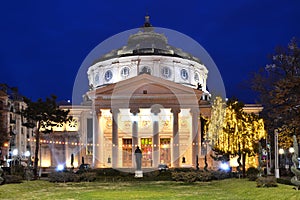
<point x="147" y="42"/>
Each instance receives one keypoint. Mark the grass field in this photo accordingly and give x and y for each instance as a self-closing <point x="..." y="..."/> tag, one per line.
<point x="233" y="189"/>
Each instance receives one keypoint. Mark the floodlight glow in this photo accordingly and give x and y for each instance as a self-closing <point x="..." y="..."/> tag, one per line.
<point x="27" y="153"/>
<point x="15" y="152"/>
<point x="281" y="151"/>
<point x="224" y="166"/>
<point x="59" y="167"/>
<point x="291" y="150"/>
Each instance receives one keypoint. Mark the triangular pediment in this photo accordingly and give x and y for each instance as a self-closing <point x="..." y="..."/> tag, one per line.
<point x="144" y="91"/>
<point x="146" y="83"/>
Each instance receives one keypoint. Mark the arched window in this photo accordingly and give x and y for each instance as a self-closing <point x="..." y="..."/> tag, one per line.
<point x="125" y="72"/>
<point x="184" y="74"/>
<point x="108" y="75"/>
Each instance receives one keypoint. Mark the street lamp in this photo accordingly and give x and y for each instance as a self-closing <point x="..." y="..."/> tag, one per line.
<point x="27" y="154"/>
<point x="281" y="152"/>
<point x="276" y="153"/>
<point x="291" y="150"/>
<point x="15" y="152"/>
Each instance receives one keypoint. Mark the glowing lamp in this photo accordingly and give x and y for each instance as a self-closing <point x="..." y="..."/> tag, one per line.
<point x="60" y="167"/>
<point x="15" y="152"/>
<point x="281" y="151"/>
<point x="224" y="166"/>
<point x="291" y="150"/>
<point x="27" y="153"/>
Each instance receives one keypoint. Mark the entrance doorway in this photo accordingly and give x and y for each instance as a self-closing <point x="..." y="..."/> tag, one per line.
<point x="127" y="152"/>
<point x="165" y="151"/>
<point x="146" y="147"/>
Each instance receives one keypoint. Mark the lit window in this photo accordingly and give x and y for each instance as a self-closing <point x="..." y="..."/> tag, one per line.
<point x="108" y="75"/>
<point x="96" y="80"/>
<point x="125" y="72"/>
<point x="184" y="74"/>
<point x="196" y="77"/>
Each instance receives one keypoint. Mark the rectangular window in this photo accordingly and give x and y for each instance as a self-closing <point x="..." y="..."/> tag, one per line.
<point x="146" y="147"/>
<point x="127" y="152"/>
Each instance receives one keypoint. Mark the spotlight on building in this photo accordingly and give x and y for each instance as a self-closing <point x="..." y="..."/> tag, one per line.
<point x="60" y="167"/>
<point x="27" y="154"/>
<point x="15" y="152"/>
<point x="224" y="166"/>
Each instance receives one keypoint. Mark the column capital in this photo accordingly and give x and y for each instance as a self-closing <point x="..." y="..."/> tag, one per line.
<point x="195" y="111"/>
<point x="114" y="110"/>
<point x="98" y="112"/>
<point x="175" y="110"/>
<point x="155" y="110"/>
<point x="135" y="110"/>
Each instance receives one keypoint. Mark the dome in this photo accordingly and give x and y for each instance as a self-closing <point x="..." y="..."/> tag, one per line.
<point x="148" y="52"/>
<point x="147" y="42"/>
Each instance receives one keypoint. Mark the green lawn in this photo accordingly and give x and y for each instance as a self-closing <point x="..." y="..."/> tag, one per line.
<point x="226" y="189"/>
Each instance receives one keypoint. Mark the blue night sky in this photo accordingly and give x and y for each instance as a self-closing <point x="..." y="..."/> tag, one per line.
<point x="43" y="43"/>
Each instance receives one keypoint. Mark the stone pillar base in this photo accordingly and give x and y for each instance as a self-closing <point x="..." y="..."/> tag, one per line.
<point x="138" y="174"/>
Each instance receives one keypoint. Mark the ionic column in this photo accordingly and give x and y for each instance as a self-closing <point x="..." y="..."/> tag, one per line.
<point x="155" y="147"/>
<point x="135" y="140"/>
<point x="96" y="138"/>
<point x="195" y="134"/>
<point x="66" y="148"/>
<point x="175" y="152"/>
<point x="115" y="138"/>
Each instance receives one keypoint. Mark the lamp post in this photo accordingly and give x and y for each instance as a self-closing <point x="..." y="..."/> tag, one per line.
<point x="276" y="153"/>
<point x="281" y="152"/>
<point x="290" y="162"/>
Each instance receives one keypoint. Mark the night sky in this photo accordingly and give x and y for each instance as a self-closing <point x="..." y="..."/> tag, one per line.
<point x="42" y="45"/>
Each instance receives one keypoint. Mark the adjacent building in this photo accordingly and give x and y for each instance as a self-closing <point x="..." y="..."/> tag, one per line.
<point x="18" y="146"/>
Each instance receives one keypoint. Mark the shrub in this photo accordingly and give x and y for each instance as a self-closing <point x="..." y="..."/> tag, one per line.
<point x="268" y="181"/>
<point x="187" y="177"/>
<point x="252" y="173"/>
<point x="220" y="175"/>
<point x="12" y="179"/>
<point x="106" y="172"/>
<point x="284" y="181"/>
<point x="204" y="176"/>
<point x="18" y="170"/>
<point x="63" y="177"/>
<point x="183" y="169"/>
<point x="87" y="177"/>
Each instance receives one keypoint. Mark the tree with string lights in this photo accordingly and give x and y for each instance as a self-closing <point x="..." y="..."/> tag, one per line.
<point x="240" y="132"/>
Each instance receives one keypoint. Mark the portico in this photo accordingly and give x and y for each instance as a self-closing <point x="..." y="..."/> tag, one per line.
<point x="159" y="116"/>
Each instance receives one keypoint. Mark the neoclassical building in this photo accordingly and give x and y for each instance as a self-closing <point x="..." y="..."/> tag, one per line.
<point x="147" y="94"/>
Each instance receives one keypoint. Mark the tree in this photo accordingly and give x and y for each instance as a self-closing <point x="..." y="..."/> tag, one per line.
<point x="278" y="86"/>
<point x="240" y="133"/>
<point x="43" y="115"/>
<point x="215" y="126"/>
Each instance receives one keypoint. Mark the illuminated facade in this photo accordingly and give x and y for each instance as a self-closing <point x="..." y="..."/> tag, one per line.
<point x="147" y="94"/>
